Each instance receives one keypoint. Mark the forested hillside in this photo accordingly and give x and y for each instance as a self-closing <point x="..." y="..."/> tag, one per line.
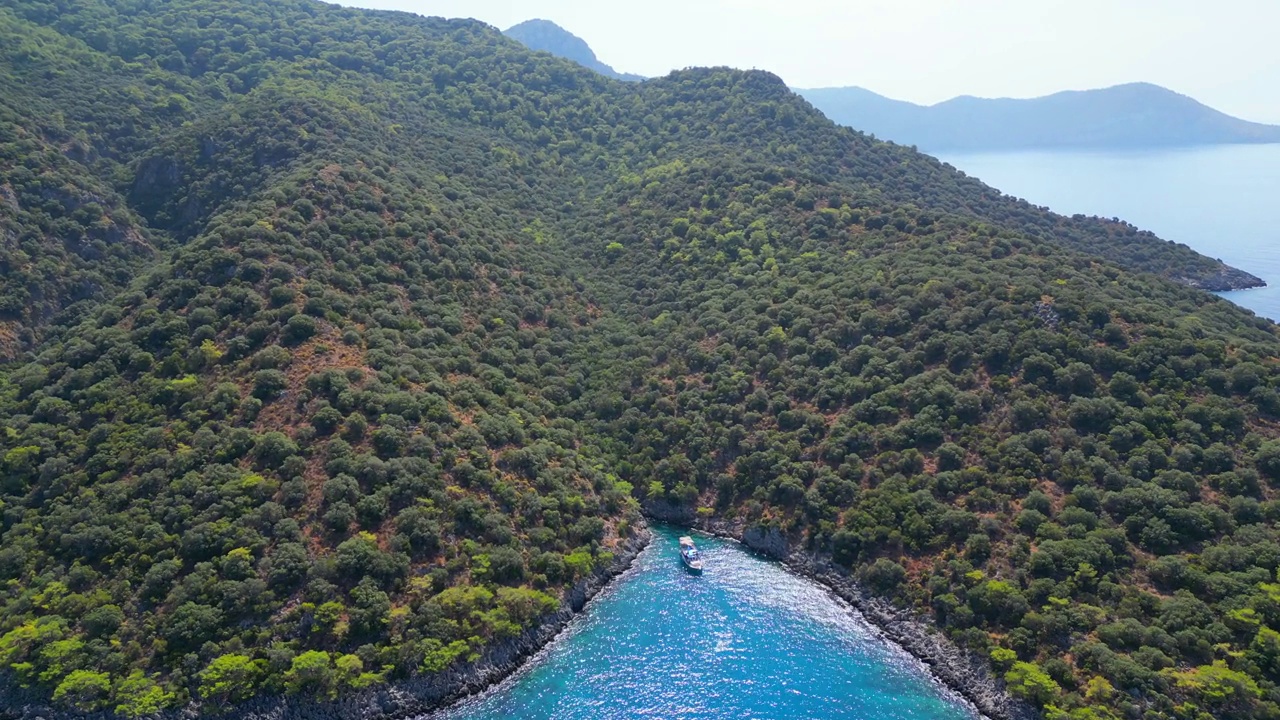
<point x="341" y="344"/>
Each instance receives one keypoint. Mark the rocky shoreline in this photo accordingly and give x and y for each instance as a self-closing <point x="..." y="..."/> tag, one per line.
<point x="409" y="698"/>
<point x="1227" y="279"/>
<point x="959" y="670"/>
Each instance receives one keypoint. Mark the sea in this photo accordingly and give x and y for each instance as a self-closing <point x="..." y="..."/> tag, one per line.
<point x="1221" y="200"/>
<point x="746" y="639"/>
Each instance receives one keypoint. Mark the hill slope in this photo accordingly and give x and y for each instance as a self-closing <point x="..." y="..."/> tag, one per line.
<point x="1138" y="115"/>
<point x="546" y="36"/>
<point x="425" y="318"/>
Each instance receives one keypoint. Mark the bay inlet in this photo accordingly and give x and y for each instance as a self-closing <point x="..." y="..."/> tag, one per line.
<point x="747" y="639"/>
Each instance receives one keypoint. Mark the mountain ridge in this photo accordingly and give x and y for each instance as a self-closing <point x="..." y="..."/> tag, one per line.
<point x="546" y="36"/>
<point x="425" y="319"/>
<point x="1133" y="115"/>
<point x="1130" y="115"/>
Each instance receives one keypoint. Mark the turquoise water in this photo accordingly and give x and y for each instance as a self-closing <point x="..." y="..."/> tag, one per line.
<point x="747" y="639"/>
<point x="1221" y="200"/>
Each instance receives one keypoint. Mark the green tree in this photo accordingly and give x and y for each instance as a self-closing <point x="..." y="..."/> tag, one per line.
<point x="230" y="678"/>
<point x="83" y="689"/>
<point x="138" y="696"/>
<point x="1029" y="681"/>
<point x="311" y="672"/>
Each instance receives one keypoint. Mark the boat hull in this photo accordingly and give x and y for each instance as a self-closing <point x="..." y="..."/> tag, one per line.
<point x="689" y="556"/>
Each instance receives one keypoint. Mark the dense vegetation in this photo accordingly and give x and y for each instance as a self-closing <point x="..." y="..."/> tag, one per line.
<point x="346" y="342"/>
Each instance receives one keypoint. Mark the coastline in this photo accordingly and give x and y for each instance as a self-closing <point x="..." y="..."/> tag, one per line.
<point x="1229" y="279"/>
<point x="415" y="697"/>
<point x="422" y="697"/>
<point x="959" y="670"/>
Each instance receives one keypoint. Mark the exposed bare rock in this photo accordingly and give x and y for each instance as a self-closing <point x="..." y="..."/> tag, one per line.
<point x="8" y="198"/>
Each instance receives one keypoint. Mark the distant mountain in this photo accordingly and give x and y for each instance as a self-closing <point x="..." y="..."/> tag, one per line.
<point x="341" y="350"/>
<point x="1125" y="116"/>
<point x="1136" y="115"/>
<point x="549" y="37"/>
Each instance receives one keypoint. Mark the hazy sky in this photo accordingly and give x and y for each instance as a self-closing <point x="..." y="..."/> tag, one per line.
<point x="1224" y="53"/>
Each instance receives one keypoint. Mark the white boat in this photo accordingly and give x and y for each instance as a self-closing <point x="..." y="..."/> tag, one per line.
<point x="689" y="555"/>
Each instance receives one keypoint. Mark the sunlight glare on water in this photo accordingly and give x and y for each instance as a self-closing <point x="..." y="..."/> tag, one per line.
<point x="747" y="639"/>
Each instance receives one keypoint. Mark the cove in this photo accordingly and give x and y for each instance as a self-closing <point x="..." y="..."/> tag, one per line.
<point x="746" y="639"/>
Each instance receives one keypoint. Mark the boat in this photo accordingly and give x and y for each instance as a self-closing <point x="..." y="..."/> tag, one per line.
<point x="689" y="555"/>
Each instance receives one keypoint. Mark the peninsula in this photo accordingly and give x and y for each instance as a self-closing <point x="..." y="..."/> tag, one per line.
<point x="344" y="352"/>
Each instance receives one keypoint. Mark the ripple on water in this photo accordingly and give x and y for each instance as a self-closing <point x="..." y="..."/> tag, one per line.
<point x="747" y="639"/>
